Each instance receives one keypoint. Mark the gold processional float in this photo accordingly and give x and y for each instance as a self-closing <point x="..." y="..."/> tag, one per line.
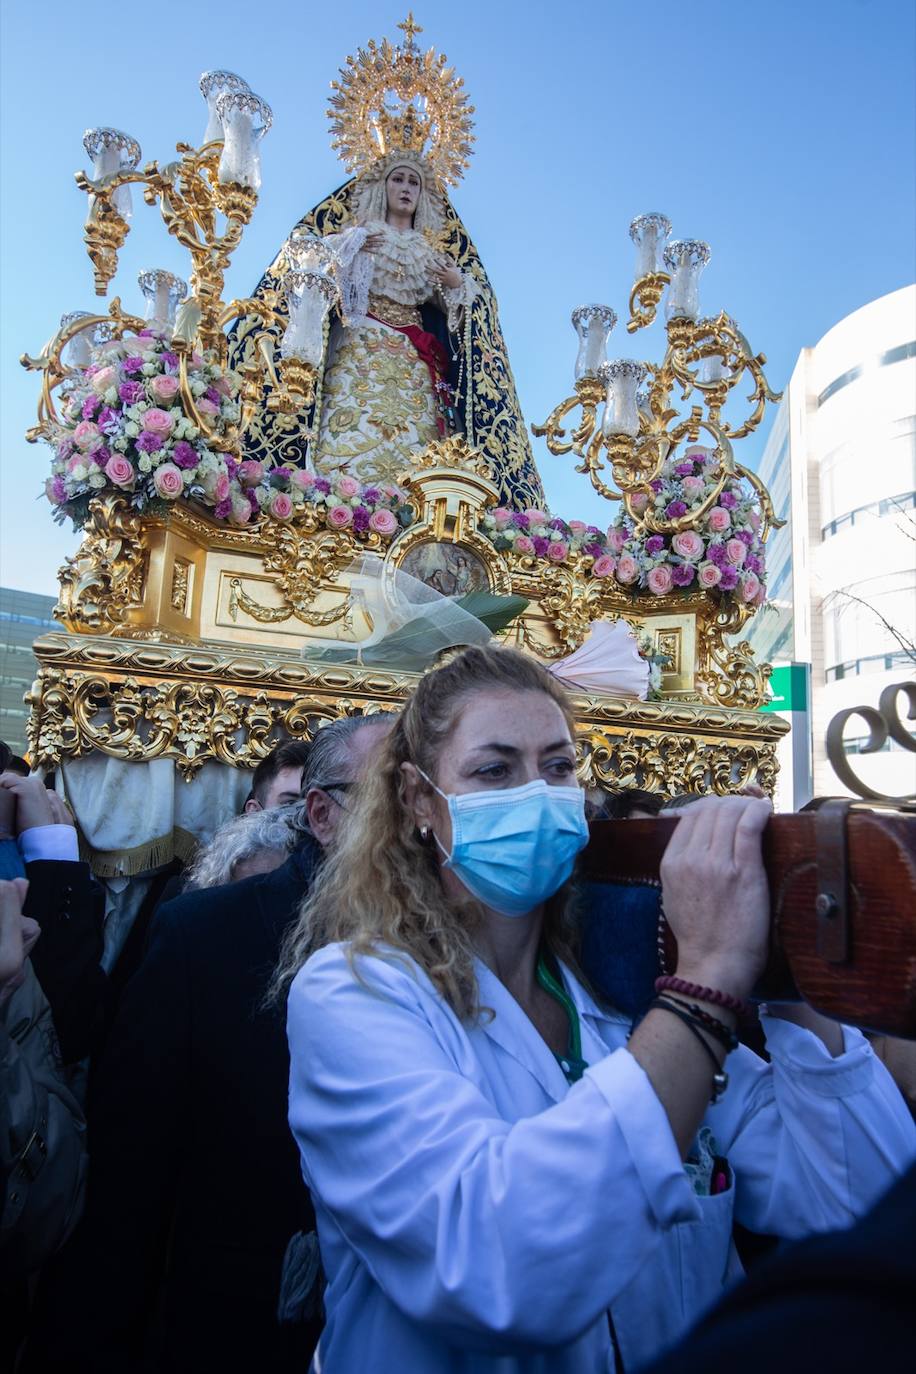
<point x="236" y="467"/>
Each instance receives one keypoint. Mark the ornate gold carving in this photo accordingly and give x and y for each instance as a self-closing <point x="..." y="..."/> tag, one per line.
<point x="142" y="701"/>
<point x="103" y="581"/>
<point x="393" y="312"/>
<point x="181" y="586"/>
<point x="668" y="645"/>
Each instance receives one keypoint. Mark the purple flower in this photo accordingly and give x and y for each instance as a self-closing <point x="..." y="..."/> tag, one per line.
<point x="59" y="488"/>
<point x="729" y="579"/>
<point x="147" y="334"/>
<point x="557" y="525"/>
<point x="745" y="536"/>
<point x="655" y="543"/>
<point x="169" y="360"/>
<point x="675" y="508"/>
<point x="728" y="499"/>
<point x="232" y="467"/>
<point x="90" y="406"/>
<point x="100" y="457"/>
<point x="65" y="449"/>
<point x="132" y="364"/>
<point x="520" y="521"/>
<point x="183" y="455"/>
<point x="323" y="485"/>
<point x="656" y="485"/>
<point x="279" y="479"/>
<point x="684" y="469"/>
<point x="254" y="503"/>
<point x="361" y="519"/>
<point x="131" y="392"/>
<point x="593" y="532"/>
<point x="147" y="442"/>
<point x="213" y="395"/>
<point x="223" y="509"/>
<point x="541" y="545"/>
<point x="108" y="420"/>
<point x="372" y="496"/>
<point x="752" y="563"/>
<point x="682" y="574"/>
<point x="594" y="549"/>
<point x="716" y="554"/>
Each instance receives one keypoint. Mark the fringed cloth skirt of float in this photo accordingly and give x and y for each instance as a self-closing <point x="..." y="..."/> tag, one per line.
<point x="378" y="407"/>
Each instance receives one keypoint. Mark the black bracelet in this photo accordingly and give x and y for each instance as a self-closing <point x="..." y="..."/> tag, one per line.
<point x="718" y="1029"/>
<point x="719" y="1077"/>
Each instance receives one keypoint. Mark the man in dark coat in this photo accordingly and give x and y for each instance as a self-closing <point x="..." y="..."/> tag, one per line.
<point x="195" y="1186"/>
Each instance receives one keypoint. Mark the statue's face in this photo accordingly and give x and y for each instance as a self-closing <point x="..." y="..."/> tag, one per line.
<point x="404" y="187"/>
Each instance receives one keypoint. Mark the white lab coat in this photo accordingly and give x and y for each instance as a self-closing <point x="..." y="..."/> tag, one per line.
<point x="477" y="1215"/>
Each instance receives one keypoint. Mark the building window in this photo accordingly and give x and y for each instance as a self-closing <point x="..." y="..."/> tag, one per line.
<point x="893" y="355"/>
<point x="890" y="505"/>
<point x="872" y="663"/>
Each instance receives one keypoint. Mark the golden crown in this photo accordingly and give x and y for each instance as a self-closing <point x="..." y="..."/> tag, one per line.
<point x="400" y="98"/>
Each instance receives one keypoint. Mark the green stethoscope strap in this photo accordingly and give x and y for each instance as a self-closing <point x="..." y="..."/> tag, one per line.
<point x="572" y="1063"/>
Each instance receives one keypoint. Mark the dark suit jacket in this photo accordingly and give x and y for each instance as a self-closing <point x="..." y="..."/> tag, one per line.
<point x="69" y="905"/>
<point x="195" y="1186"/>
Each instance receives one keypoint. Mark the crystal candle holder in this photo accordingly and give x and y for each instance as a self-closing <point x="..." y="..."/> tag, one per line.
<point x="113" y="151"/>
<point x="649" y="233"/>
<point x="593" y="324"/>
<point x="309" y="295"/>
<point x="163" y="292"/>
<point x="245" y="118"/>
<point x="685" y="260"/>
<point x="212" y="85"/>
<point x="712" y="369"/>
<point x="622" y="377"/>
<point x="80" y="345"/>
<point x="306" y="252"/>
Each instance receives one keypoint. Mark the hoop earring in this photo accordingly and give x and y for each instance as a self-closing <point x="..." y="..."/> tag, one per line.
<point x="424" y="833"/>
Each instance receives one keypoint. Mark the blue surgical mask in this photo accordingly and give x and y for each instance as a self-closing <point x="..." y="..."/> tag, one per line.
<point x="514" y="848"/>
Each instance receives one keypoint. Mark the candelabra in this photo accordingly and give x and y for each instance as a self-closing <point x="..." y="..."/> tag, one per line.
<point x="640" y="429"/>
<point x="206" y="198"/>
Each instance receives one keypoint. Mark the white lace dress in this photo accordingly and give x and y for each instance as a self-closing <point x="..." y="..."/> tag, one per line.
<point x="379" y="406"/>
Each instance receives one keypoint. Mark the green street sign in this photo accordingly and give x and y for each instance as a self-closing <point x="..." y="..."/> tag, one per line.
<point x="789" y="688"/>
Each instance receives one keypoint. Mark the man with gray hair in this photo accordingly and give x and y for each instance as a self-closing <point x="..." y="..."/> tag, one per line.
<point x="195" y="1185"/>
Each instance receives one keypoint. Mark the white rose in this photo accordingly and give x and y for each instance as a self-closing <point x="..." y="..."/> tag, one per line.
<point x="555" y="536"/>
<point x="132" y="429"/>
<point x="79" y="473"/>
<point x="111" y="397"/>
<point x="144" y="464"/>
<point x="191" y="432"/>
<point x="198" y="388"/>
<point x="98" y="479"/>
<point x="149" y="369"/>
<point x="121" y="445"/>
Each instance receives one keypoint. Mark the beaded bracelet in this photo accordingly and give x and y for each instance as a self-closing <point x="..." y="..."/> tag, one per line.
<point x="718" y="1029"/>
<point x="669" y="983"/>
<point x="719" y="1076"/>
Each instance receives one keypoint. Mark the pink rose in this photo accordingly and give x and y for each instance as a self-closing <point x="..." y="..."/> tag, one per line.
<point x="688" y="545"/>
<point x="86" y="436"/>
<point x="205" y="406"/>
<point x="157" y="421"/>
<point x="300" y="478"/>
<point x="736" y="552"/>
<point x="56" y="490"/>
<point x="104" y="378"/>
<point x="748" y="587"/>
<point x="240" y="509"/>
<point x="659" y="580"/>
<point x="761" y="595"/>
<point x="627" y="569"/>
<point x="120" y="471"/>
<point x="339" y="517"/>
<point x="691" y="486"/>
<point x="639" y="502"/>
<point x="168" y="481"/>
<point x="708" y="575"/>
<point x="251" y="472"/>
<point x="164" y="388"/>
<point x="537" y="517"/>
<point x="502" y="517"/>
<point x="383" y="522"/>
<point x="347" y="487"/>
<point x="222" y="385"/>
<point x="577" y="527"/>
<point x="221" y="487"/>
<point x="557" y="550"/>
<point x="719" y="519"/>
<point x="281" y="505"/>
<point x="604" y="566"/>
<point x="523" y="544"/>
<point x="616" y="539"/>
<point x="77" y="461"/>
<point x="754" y="520"/>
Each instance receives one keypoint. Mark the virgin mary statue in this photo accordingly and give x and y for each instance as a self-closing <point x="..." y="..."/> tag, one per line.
<point x="414" y="352"/>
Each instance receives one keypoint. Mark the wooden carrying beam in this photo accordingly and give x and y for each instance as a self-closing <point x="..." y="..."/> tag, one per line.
<point x="843" y="908"/>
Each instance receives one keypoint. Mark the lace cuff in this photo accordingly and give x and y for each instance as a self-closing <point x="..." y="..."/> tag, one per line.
<point x="457" y="299"/>
<point x="354" y="272"/>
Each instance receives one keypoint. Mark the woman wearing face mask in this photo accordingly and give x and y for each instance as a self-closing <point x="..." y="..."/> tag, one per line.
<point x="506" y="1180"/>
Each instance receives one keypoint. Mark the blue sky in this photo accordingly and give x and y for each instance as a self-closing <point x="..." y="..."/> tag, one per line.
<point x="782" y="134"/>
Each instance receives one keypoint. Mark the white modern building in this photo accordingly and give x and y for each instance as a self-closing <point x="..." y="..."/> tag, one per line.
<point x="841" y="466"/>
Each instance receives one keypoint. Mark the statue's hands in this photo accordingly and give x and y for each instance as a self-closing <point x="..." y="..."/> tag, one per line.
<point x="373" y="243"/>
<point x="446" y="274"/>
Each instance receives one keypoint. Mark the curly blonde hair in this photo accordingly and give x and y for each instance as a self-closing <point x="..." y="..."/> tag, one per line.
<point x="381" y="886"/>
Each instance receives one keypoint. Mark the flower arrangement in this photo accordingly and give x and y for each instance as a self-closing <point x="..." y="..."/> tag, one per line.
<point x="124" y="428"/>
<point x="722" y="552"/>
<point x="340" y="503"/>
<point x="538" y="534"/>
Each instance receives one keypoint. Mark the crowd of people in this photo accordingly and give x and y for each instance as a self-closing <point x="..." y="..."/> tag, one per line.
<point x="351" y="1101"/>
